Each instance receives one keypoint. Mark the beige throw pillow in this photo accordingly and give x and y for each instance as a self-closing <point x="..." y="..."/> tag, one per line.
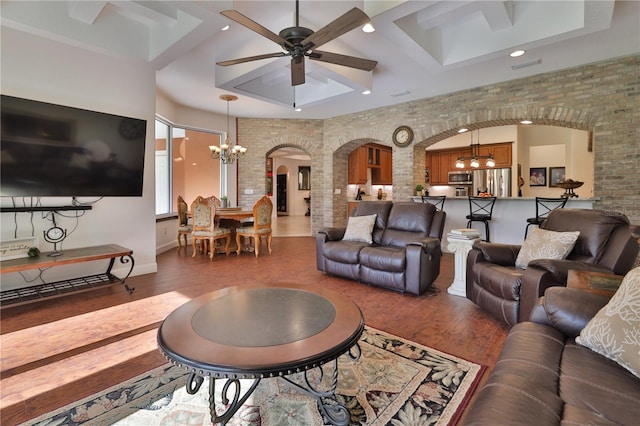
<point x="614" y="332"/>
<point x="543" y="244"/>
<point x="360" y="228"/>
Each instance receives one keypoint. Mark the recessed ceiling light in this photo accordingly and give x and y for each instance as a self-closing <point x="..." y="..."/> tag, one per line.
<point x="366" y="92"/>
<point x="298" y="109"/>
<point x="526" y="122"/>
<point x="225" y="28"/>
<point x="462" y="130"/>
<point x="517" y="53"/>
<point x="368" y="28"/>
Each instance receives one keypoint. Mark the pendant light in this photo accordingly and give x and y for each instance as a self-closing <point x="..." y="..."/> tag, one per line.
<point x="227" y="152"/>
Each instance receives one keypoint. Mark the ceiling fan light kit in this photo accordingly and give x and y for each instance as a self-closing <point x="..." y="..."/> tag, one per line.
<point x="299" y="42"/>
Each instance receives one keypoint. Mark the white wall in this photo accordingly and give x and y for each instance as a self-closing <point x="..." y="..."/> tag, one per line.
<point x="556" y="147"/>
<point x="45" y="70"/>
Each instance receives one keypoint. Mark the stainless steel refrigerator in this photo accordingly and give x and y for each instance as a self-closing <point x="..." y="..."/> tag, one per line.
<point x="497" y="182"/>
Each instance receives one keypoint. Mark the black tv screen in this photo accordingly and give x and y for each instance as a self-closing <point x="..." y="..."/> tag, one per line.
<point x="59" y="151"/>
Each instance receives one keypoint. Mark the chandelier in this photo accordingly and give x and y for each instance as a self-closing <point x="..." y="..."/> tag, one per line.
<point x="227" y="153"/>
<point x="475" y="157"/>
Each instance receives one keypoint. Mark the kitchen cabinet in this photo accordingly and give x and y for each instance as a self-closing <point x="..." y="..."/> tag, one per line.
<point x="383" y="175"/>
<point x="357" y="171"/>
<point x="378" y="158"/>
<point x="441" y="162"/>
<point x="373" y="156"/>
<point x="502" y="154"/>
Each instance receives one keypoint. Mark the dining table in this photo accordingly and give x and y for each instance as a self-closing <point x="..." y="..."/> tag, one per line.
<point x="233" y="217"/>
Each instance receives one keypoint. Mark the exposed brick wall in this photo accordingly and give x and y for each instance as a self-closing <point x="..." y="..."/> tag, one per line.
<point x="602" y="98"/>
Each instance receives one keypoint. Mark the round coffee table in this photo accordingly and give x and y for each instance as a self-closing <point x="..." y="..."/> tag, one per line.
<point x="261" y="331"/>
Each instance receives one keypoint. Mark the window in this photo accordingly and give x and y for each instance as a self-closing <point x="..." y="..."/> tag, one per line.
<point x="184" y="165"/>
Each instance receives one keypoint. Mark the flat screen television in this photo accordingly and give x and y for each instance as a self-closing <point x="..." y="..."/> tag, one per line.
<point x="59" y="151"/>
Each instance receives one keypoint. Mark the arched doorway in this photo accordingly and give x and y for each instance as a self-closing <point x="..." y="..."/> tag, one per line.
<point x="291" y="198"/>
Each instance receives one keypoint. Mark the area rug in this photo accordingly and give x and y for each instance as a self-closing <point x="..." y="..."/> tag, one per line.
<point x="395" y="382"/>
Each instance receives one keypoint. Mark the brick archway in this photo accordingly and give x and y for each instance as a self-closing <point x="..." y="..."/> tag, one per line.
<point x="546" y="116"/>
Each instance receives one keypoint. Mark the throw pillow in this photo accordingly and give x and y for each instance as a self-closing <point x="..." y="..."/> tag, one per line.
<point x="360" y="228"/>
<point x="543" y="244"/>
<point x="614" y="332"/>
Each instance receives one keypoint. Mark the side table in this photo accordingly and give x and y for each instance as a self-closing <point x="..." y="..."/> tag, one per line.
<point x="594" y="282"/>
<point x="461" y="248"/>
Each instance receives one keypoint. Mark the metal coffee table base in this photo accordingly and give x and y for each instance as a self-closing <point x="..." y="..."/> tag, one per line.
<point x="336" y="414"/>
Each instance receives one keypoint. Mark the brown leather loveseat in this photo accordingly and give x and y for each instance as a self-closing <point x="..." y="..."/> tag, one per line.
<point x="404" y="254"/>
<point x="494" y="283"/>
<point x="543" y="377"/>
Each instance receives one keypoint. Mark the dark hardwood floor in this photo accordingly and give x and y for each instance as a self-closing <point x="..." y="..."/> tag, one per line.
<point x="58" y="351"/>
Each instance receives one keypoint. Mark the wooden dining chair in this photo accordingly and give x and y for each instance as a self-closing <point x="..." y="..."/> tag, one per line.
<point x="184" y="227"/>
<point x="215" y="200"/>
<point x="205" y="229"/>
<point x="261" y="227"/>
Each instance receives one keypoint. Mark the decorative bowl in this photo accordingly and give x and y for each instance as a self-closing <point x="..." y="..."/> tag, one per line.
<point x="570" y="184"/>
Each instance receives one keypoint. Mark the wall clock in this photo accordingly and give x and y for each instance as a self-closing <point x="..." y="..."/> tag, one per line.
<point x="403" y="136"/>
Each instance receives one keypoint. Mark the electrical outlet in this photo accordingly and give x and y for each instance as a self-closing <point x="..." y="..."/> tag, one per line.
<point x="337" y="191"/>
<point x="248" y="191"/>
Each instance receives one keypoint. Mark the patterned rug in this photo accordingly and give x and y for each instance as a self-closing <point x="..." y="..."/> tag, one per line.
<point x="395" y="382"/>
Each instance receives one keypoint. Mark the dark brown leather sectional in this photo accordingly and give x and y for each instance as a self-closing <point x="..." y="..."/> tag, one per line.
<point x="544" y="378"/>
<point x="495" y="284"/>
<point x="405" y="254"/>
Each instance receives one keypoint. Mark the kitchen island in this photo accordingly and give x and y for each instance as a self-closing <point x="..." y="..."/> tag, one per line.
<point x="509" y="219"/>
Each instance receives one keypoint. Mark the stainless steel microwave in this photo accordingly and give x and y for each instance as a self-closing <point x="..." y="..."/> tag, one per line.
<point x="461" y="178"/>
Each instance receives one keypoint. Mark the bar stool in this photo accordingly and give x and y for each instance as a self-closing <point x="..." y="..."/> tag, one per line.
<point x="436" y="200"/>
<point x="544" y="206"/>
<point x="481" y="210"/>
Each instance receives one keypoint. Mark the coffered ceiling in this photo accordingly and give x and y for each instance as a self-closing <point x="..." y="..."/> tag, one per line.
<point x="423" y="48"/>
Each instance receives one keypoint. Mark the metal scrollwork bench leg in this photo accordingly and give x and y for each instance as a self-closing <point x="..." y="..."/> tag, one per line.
<point x="127" y="258"/>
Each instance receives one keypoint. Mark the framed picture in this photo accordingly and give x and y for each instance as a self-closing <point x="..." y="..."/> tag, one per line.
<point x="556" y="175"/>
<point x="538" y="176"/>
<point x="15" y="249"/>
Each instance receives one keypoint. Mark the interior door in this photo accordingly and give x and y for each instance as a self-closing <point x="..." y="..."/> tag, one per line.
<point x="281" y="188"/>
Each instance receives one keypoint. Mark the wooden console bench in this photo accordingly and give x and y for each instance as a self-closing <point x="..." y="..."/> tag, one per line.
<point x="75" y="285"/>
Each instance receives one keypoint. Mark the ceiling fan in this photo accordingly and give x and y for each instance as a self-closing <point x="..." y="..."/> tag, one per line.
<point x="300" y="42"/>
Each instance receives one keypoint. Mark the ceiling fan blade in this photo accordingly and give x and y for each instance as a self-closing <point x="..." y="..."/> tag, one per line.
<point x="344" y="60"/>
<point x="297" y="71"/>
<point x="254" y="26"/>
<point x="251" y="58"/>
<point x="350" y="20"/>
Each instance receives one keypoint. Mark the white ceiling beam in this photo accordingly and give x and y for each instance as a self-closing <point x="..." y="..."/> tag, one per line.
<point x="499" y="14"/>
<point x="148" y="12"/>
<point x="86" y="11"/>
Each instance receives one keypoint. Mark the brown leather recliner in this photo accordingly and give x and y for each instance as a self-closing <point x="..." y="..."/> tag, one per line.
<point x="405" y="253"/>
<point x="543" y="377"/>
<point x="509" y="293"/>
